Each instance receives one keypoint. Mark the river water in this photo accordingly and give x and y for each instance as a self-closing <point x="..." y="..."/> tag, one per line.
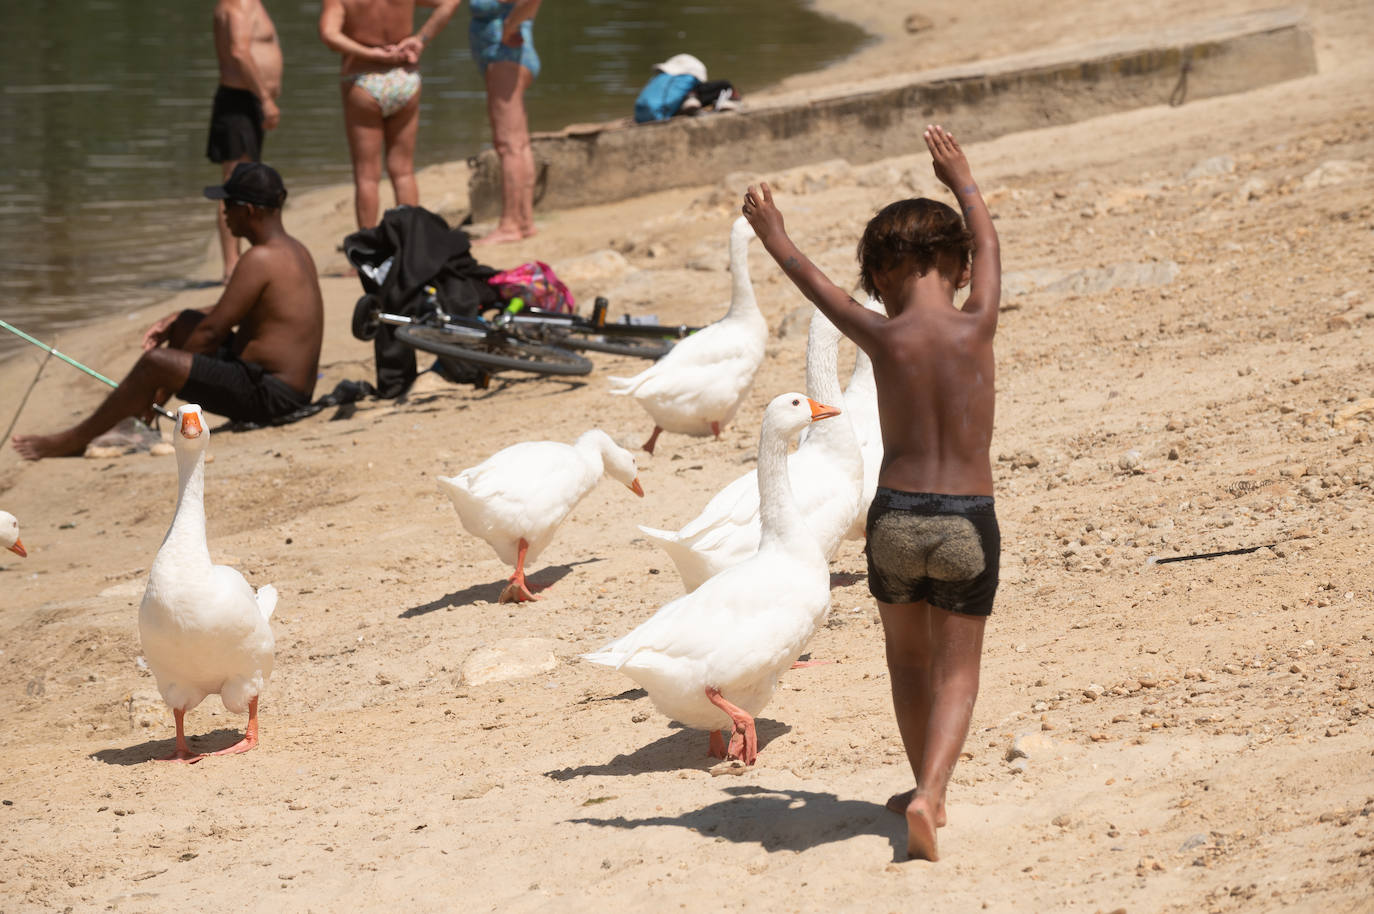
<point x="104" y="106"/>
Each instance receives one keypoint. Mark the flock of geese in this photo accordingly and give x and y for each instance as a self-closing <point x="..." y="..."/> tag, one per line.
<point x="753" y="563"/>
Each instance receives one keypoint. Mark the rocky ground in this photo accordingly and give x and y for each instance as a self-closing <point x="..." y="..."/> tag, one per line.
<point x="1183" y="368"/>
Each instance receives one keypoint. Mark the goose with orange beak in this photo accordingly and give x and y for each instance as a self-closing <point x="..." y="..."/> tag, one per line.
<point x="204" y="630"/>
<point x="712" y="657"/>
<point x="517" y="498"/>
<point x="9" y="534"/>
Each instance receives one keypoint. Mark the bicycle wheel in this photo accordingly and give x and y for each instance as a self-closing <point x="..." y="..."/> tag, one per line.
<point x="494" y="351"/>
<point x="639" y="347"/>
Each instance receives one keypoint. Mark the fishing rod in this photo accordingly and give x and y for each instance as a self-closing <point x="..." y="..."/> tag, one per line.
<point x="160" y="410"/>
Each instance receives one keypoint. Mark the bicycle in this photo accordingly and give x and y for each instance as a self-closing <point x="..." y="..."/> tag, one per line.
<point x="520" y="338"/>
<point x="476" y="341"/>
<point x="643" y="338"/>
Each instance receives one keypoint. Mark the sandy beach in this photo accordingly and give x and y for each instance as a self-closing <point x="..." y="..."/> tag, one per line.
<point x="1183" y="367"/>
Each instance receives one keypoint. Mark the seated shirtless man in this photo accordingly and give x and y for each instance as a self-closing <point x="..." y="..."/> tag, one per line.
<point x="380" y="83"/>
<point x="933" y="540"/>
<point x="263" y="369"/>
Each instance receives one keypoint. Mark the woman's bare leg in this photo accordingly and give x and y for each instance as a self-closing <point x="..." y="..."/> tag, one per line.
<point x="506" y="84"/>
<point x="399" y="132"/>
<point x="363" y="126"/>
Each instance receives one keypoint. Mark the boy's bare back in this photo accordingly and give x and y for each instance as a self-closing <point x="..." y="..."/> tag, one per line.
<point x="932" y="362"/>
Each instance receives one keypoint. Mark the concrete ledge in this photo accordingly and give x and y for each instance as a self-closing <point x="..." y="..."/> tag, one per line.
<point x="601" y="163"/>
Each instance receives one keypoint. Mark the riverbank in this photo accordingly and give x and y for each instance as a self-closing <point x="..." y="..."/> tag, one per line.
<point x="1182" y="370"/>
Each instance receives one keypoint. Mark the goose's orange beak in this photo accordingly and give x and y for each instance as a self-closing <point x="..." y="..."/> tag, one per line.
<point x="821" y="411"/>
<point x="190" y="425"/>
<point x="18" y="549"/>
<point x="636" y="488"/>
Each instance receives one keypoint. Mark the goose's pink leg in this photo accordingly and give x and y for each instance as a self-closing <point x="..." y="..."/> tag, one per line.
<point x="717" y="745"/>
<point x="653" y="440"/>
<point x="183" y="751"/>
<point x="516" y="591"/>
<point x="250" y="735"/>
<point x="744" y="744"/>
<point x="715" y="430"/>
<point x="801" y="664"/>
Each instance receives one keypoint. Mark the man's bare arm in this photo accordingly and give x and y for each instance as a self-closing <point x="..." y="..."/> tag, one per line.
<point x="232" y="21"/>
<point x="952" y="168"/>
<point x="851" y="318"/>
<point x="246" y="286"/>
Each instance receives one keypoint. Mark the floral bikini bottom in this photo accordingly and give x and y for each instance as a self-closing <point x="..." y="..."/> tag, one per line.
<point x="392" y="89"/>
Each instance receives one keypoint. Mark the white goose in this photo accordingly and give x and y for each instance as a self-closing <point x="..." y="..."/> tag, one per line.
<point x="826" y="471"/>
<point x="712" y="657"/>
<point x="9" y="534"/>
<point x="204" y="631"/>
<point x="516" y="498"/>
<point x="698" y="386"/>
<point x="861" y="405"/>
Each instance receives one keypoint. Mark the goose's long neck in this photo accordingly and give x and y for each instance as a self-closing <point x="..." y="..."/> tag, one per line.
<point x="742" y="301"/>
<point x="823" y="383"/>
<point x="187" y="533"/>
<point x="780" y="522"/>
<point x="823" y="361"/>
<point x="590" y="447"/>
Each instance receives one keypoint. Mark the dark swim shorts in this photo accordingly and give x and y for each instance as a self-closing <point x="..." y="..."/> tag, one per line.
<point x="942" y="549"/>
<point x="243" y="391"/>
<point x="236" y="126"/>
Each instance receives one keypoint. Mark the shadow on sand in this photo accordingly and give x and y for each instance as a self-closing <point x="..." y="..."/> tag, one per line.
<point x="780" y="820"/>
<point x="674" y="752"/>
<point x="213" y="741"/>
<point x="490" y="592"/>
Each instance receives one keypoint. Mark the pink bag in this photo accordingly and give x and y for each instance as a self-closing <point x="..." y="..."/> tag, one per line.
<point x="536" y="284"/>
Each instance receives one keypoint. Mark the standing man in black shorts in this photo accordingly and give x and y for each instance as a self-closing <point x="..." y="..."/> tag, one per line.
<point x="250" y="69"/>
<point x="253" y="357"/>
<point x="933" y="540"/>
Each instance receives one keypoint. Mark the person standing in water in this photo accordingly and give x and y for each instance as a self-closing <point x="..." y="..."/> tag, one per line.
<point x="380" y="83"/>
<point x="933" y="540"/>
<point x="245" y="106"/>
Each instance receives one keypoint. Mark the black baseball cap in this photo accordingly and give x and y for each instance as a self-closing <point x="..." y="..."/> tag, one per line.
<point x="251" y="182"/>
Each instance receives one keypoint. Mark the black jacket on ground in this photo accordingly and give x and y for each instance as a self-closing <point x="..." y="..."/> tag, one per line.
<point x="426" y="253"/>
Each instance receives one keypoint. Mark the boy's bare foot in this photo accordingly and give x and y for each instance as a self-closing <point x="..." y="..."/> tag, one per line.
<point x="898" y="803"/>
<point x="920" y="831"/>
<point x="36" y="447"/>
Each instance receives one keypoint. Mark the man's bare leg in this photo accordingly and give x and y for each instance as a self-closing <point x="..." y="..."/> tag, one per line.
<point x="228" y="244"/>
<point x="510" y="134"/>
<point x="156" y="369"/>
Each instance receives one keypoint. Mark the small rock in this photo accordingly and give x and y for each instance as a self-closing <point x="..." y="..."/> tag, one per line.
<point x="915" y="22"/>
<point x="510" y="658"/>
<point x="1193" y="841"/>
<point x="1216" y="165"/>
<point x="1131" y="460"/>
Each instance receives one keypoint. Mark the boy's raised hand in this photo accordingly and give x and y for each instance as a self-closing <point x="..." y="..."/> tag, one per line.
<point x="947" y="158"/>
<point x="763" y="216"/>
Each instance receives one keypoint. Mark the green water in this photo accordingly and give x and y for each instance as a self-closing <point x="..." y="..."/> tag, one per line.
<point x="105" y="105"/>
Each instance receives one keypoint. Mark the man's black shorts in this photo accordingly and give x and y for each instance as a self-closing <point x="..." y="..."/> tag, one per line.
<point x="943" y="549"/>
<point x="242" y="391"/>
<point x="236" y="126"/>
